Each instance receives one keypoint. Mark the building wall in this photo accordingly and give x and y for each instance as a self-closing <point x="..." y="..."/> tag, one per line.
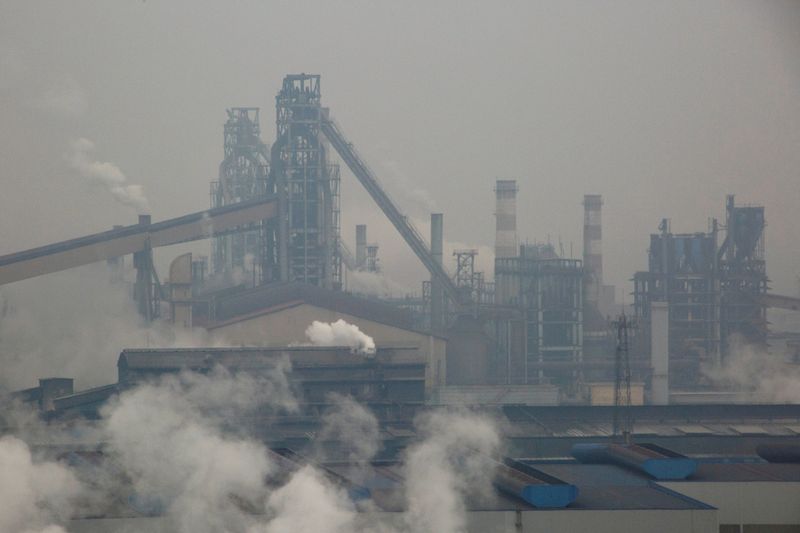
<point x="747" y="503"/>
<point x="288" y="326"/>
<point x="603" y="393"/>
<point x="622" y="521"/>
<point x="460" y="395"/>
<point x="551" y="521"/>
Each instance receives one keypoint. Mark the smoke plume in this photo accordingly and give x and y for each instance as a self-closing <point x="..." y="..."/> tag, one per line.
<point x="108" y="175"/>
<point x="340" y="333"/>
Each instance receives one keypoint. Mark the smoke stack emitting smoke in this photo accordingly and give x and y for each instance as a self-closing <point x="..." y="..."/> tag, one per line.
<point x="108" y="175"/>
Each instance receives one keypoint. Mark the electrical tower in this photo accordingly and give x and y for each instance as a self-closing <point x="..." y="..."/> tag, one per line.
<point x="623" y="422"/>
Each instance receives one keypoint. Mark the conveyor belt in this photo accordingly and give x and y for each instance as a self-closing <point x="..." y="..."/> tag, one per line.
<point x="129" y="239"/>
<point x="401" y="223"/>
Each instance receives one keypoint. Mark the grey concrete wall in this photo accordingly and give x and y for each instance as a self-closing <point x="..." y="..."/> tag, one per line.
<point x="659" y="352"/>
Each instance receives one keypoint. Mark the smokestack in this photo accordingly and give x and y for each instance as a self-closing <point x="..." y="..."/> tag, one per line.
<point x="592" y="248"/>
<point x="361" y="245"/>
<point x="659" y="352"/>
<point x="437" y="293"/>
<point x="505" y="241"/>
<point x="144" y="220"/>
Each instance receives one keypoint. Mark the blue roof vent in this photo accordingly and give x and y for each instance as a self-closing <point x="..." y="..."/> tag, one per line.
<point x="533" y="486"/>
<point x="655" y="461"/>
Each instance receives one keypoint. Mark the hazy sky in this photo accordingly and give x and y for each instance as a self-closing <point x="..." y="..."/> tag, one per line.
<point x="662" y="107"/>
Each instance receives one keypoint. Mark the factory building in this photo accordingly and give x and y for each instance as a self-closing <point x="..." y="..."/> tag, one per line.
<point x="277" y="315"/>
<point x="714" y="293"/>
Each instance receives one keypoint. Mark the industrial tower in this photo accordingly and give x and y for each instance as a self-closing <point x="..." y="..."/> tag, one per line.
<point x="243" y="176"/>
<point x="303" y="244"/>
<point x="714" y="293"/>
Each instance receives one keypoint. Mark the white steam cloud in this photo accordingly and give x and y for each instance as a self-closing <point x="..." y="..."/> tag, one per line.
<point x="75" y="324"/>
<point x="34" y="496"/>
<point x="175" y="456"/>
<point x="768" y="377"/>
<point x="179" y="461"/>
<point x="108" y="175"/>
<point x="340" y="333"/>
<point x="356" y="431"/>
<point x="451" y="463"/>
<point x="374" y="284"/>
<point x="308" y="503"/>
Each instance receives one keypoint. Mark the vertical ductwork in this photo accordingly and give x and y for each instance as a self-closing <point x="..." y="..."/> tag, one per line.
<point x="361" y="245"/>
<point x="659" y="352"/>
<point x="505" y="242"/>
<point x="592" y="249"/>
<point x="437" y="292"/>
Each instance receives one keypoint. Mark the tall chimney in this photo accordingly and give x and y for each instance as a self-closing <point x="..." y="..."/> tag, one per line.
<point x="437" y="291"/>
<point x="505" y="241"/>
<point x="592" y="248"/>
<point x="659" y="352"/>
<point x="361" y="245"/>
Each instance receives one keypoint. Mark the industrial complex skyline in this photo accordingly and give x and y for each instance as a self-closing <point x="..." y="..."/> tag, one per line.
<point x="567" y="99"/>
<point x="446" y="267"/>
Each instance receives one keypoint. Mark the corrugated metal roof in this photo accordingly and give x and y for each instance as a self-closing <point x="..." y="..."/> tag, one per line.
<point x="742" y="472"/>
<point x="748" y="429"/>
<point x="614" y="488"/>
<point x="205" y="358"/>
<point x="694" y="429"/>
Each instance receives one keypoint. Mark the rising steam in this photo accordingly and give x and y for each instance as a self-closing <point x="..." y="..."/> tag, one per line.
<point x="33" y="495"/>
<point x="451" y="463"/>
<point x="178" y="458"/>
<point x="340" y="333"/>
<point x="108" y="175"/>
<point x="752" y="369"/>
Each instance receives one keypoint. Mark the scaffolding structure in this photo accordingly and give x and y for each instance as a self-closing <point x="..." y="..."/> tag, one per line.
<point x="372" y="263"/>
<point x="550" y="294"/>
<point x="465" y="268"/>
<point x="307" y="232"/>
<point x="243" y="176"/>
<point x="682" y="271"/>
